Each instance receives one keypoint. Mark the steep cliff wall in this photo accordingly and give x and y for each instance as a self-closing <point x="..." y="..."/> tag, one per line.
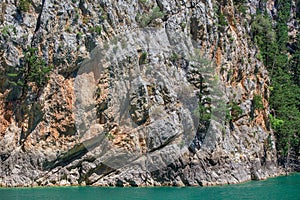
<point x="118" y="107"/>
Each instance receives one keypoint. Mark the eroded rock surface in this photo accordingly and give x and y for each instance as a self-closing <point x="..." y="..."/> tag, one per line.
<point x="119" y="107"/>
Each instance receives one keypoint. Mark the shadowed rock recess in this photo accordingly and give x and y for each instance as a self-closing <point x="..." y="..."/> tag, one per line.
<point x="139" y="93"/>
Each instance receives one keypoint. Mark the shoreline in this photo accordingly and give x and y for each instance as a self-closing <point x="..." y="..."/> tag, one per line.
<point x="281" y="173"/>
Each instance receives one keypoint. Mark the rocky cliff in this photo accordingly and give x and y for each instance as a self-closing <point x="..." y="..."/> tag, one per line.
<point x="132" y="92"/>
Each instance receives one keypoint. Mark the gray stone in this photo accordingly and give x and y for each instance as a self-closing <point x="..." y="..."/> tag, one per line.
<point x="110" y="118"/>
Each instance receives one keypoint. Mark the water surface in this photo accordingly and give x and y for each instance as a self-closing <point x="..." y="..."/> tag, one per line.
<point x="284" y="187"/>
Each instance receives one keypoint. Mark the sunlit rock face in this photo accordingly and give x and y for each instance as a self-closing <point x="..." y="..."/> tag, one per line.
<point x="141" y="93"/>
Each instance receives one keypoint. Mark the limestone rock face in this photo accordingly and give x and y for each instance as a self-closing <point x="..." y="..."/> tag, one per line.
<point x="128" y="101"/>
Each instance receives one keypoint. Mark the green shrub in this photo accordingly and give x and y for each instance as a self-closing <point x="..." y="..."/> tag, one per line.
<point x="79" y="35"/>
<point x="7" y="30"/>
<point x="145" y="19"/>
<point x="109" y="136"/>
<point x="203" y="112"/>
<point x="259" y="57"/>
<point x="103" y="15"/>
<point x="24" y="5"/>
<point x="156" y="13"/>
<point x="35" y="70"/>
<point x="242" y="9"/>
<point x="236" y="111"/>
<point x="240" y="5"/>
<point x="257" y="102"/>
<point x="228" y="116"/>
<point x="183" y="25"/>
<point x="233" y="111"/>
<point x="143" y="58"/>
<point x="38" y="70"/>
<point x="276" y="123"/>
<point x="174" y="57"/>
<point x="143" y="1"/>
<point x="96" y="29"/>
<point x="222" y="20"/>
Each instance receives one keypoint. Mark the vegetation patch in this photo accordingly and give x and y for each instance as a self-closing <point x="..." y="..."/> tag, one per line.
<point x="96" y="29"/>
<point x="7" y="30"/>
<point x="35" y="70"/>
<point x="146" y="18"/>
<point x="233" y="111"/>
<point x="283" y="66"/>
<point x="257" y="102"/>
<point x="24" y="5"/>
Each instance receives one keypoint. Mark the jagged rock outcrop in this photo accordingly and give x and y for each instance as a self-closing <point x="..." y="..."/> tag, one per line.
<point x="119" y="107"/>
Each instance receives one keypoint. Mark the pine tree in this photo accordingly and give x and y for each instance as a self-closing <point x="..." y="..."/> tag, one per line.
<point x="285" y="94"/>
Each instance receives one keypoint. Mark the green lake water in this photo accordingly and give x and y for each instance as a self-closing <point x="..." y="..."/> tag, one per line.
<point x="284" y="187"/>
